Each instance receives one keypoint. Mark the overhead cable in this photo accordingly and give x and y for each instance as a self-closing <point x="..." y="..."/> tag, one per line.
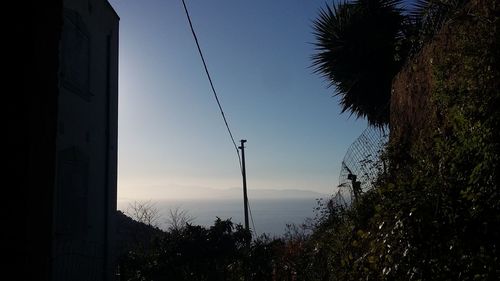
<point x="210" y="80"/>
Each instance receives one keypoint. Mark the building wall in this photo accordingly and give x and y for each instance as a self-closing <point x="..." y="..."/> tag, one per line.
<point x="86" y="144"/>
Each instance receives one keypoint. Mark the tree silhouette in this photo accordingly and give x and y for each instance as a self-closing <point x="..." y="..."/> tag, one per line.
<point x="360" y="47"/>
<point x="144" y="211"/>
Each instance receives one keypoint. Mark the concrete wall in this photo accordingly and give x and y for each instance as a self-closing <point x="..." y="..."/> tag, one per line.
<point x="86" y="145"/>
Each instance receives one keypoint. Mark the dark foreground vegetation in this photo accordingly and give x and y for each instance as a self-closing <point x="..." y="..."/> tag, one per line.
<point x="434" y="213"/>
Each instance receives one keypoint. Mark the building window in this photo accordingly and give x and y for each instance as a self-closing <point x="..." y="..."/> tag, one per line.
<point x="72" y="192"/>
<point x="75" y="55"/>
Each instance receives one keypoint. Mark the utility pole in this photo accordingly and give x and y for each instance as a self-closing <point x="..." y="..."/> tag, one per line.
<point x="245" y="205"/>
<point x="243" y="171"/>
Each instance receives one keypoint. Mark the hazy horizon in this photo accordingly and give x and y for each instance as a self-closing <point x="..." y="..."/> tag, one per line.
<point x="210" y="193"/>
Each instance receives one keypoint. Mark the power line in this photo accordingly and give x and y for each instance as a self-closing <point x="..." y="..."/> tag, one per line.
<point x="217" y="99"/>
<point x="251" y="217"/>
<point x="210" y="80"/>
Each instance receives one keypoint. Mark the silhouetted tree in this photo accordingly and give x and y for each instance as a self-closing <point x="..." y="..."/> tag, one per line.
<point x="144" y="211"/>
<point x="191" y="253"/>
<point x="362" y="44"/>
<point x="359" y="50"/>
<point x="178" y="219"/>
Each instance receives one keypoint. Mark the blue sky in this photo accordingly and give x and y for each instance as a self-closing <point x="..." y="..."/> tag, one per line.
<point x="171" y="135"/>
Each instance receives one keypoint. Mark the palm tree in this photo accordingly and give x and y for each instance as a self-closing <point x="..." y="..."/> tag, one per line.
<point x="360" y="47"/>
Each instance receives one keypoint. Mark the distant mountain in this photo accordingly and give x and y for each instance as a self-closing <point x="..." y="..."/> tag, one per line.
<point x="160" y="192"/>
<point x="278" y="193"/>
<point x="190" y="192"/>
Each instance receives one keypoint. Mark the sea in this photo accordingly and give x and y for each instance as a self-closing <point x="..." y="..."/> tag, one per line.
<point x="270" y="216"/>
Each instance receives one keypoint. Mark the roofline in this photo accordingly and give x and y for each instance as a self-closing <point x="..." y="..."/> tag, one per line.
<point x="112" y="9"/>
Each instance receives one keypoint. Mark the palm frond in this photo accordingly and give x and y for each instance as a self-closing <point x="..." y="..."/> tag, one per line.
<point x="358" y="50"/>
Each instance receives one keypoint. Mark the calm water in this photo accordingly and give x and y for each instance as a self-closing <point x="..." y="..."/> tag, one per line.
<point x="269" y="215"/>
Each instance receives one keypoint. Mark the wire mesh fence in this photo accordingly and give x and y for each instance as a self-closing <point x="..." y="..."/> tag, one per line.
<point x="362" y="164"/>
